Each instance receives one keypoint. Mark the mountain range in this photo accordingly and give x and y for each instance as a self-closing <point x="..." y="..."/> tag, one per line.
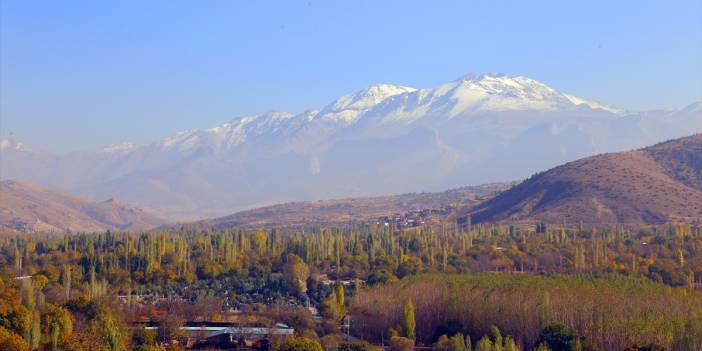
<point x="654" y="185"/>
<point x="384" y="139"/>
<point x="29" y="207"/>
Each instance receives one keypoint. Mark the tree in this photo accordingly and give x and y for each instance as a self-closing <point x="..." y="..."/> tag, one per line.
<point x="10" y="341"/>
<point x="301" y="344"/>
<point x="398" y="343"/>
<point x="143" y="338"/>
<point x="496" y="338"/>
<point x="380" y="276"/>
<point x="66" y="281"/>
<point x="85" y="340"/>
<point x="356" y="346"/>
<point x="510" y="345"/>
<point x="560" y="337"/>
<point x="443" y="344"/>
<point x="339" y="298"/>
<point x="459" y="342"/>
<point x="110" y="329"/>
<point x="58" y="322"/>
<point x="408" y="322"/>
<point x="169" y="328"/>
<point x="297" y="272"/>
<point x="484" y="344"/>
<point x="333" y="307"/>
<point x="35" y="331"/>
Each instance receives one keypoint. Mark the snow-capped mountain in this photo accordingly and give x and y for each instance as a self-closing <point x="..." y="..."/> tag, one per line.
<point x="383" y="139"/>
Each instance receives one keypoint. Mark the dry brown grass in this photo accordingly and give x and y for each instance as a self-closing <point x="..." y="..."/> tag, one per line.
<point x="31" y="207"/>
<point x="658" y="184"/>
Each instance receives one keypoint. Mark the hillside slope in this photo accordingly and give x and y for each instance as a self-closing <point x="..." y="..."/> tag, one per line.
<point x="362" y="209"/>
<point x="31" y="207"/>
<point x="381" y="140"/>
<point x="657" y="184"/>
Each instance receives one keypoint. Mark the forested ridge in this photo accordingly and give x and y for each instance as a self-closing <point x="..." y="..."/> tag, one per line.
<point x="603" y="278"/>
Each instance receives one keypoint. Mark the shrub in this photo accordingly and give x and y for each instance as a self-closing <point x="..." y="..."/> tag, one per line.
<point x="301" y="344"/>
<point x="10" y="341"/>
<point x="559" y="337"/>
<point x="399" y="343"/>
<point x="356" y="346"/>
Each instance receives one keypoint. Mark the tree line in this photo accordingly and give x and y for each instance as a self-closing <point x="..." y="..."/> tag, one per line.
<point x="55" y="285"/>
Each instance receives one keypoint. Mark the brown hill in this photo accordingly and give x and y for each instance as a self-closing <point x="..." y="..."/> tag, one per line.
<point x="31" y="207"/>
<point x="361" y="209"/>
<point x="657" y="184"/>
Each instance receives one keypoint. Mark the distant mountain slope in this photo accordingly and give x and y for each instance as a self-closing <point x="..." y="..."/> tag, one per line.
<point x="657" y="184"/>
<point x="358" y="210"/>
<point x="381" y="140"/>
<point x="31" y="207"/>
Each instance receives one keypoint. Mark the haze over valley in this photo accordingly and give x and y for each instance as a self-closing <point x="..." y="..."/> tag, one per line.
<point x="381" y="140"/>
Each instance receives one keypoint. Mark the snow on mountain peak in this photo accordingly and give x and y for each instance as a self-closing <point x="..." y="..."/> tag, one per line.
<point x="594" y="104"/>
<point x="371" y="96"/>
<point x="500" y="92"/>
<point x="386" y="103"/>
<point x="348" y="107"/>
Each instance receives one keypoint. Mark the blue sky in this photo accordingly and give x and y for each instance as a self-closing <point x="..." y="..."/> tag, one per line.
<point x="84" y="74"/>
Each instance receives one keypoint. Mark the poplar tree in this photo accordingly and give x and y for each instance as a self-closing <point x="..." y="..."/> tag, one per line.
<point x="339" y="297"/>
<point x="408" y="322"/>
<point x="458" y="342"/>
<point x="66" y="280"/>
<point x="484" y="344"/>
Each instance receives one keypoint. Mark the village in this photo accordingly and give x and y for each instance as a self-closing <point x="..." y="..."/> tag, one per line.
<point x="216" y="324"/>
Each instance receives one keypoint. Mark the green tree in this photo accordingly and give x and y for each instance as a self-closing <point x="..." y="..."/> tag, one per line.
<point x="142" y="338"/>
<point x="459" y="342"/>
<point x="35" y="331"/>
<point x="110" y="329"/>
<point x="560" y="337"/>
<point x="301" y="344"/>
<point x="496" y="338"/>
<point x="484" y="344"/>
<point x="408" y="322"/>
<point x="339" y="298"/>
<point x="510" y="344"/>
<point x="66" y="281"/>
